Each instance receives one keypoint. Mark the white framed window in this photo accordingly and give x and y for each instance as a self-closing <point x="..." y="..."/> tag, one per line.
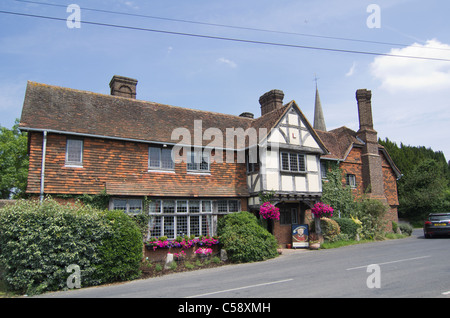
<point x="293" y="162"/>
<point x="155" y="206"/>
<point x="174" y="218"/>
<point x="323" y="169"/>
<point x="227" y="206"/>
<point x="181" y="206"/>
<point x="160" y="159"/>
<point x="131" y="206"/>
<point x="198" y="161"/>
<point x="74" y="152"/>
<point x="351" y="180"/>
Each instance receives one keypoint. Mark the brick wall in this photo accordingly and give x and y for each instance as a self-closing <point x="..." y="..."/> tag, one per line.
<point x="122" y="168"/>
<point x="353" y="165"/>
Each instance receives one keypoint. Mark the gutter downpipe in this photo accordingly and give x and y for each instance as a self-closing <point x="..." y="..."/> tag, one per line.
<point x="44" y="151"/>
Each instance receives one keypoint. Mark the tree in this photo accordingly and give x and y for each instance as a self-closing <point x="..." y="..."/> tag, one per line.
<point x="425" y="184"/>
<point x="422" y="191"/>
<point x="13" y="162"/>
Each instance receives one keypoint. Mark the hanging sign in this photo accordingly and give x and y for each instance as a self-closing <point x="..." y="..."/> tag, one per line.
<point x="300" y="235"/>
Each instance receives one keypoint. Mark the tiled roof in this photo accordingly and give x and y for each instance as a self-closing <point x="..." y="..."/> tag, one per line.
<point x="83" y="112"/>
<point x="339" y="142"/>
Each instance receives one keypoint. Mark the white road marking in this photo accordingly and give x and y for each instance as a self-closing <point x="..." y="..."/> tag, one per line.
<point x="446" y="293"/>
<point x="244" y="287"/>
<point x="398" y="261"/>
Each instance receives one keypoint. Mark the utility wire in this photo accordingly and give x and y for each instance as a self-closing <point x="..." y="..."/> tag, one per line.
<point x="226" y="38"/>
<point x="229" y="26"/>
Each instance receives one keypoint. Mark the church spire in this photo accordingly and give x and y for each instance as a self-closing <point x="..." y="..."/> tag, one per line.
<point x="319" y="120"/>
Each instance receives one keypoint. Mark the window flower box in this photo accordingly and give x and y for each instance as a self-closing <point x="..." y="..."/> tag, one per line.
<point x="156" y="249"/>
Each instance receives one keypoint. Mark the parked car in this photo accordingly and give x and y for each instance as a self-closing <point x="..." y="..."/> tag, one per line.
<point x="437" y="224"/>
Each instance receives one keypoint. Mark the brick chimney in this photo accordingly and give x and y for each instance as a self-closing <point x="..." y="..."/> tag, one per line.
<point x="271" y="100"/>
<point x="123" y="86"/>
<point x="372" y="172"/>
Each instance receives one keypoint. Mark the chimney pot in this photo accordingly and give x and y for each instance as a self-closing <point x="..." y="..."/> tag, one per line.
<point x="123" y="86"/>
<point x="271" y="100"/>
<point x="247" y="115"/>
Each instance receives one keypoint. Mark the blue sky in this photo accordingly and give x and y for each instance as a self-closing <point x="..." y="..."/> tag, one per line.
<point x="410" y="97"/>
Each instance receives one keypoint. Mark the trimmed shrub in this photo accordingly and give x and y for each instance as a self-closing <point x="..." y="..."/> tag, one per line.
<point x="330" y="228"/>
<point x="244" y="239"/>
<point x="405" y="228"/>
<point x="371" y="213"/>
<point x="347" y="226"/>
<point x="39" y="241"/>
<point x="121" y="250"/>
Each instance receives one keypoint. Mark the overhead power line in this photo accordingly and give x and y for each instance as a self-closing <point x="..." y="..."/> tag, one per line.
<point x="214" y="24"/>
<point x="204" y="36"/>
<point x="230" y="26"/>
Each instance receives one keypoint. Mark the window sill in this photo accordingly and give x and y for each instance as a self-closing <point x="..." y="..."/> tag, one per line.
<point x="206" y="173"/>
<point x="293" y="172"/>
<point x="73" y="166"/>
<point x="161" y="171"/>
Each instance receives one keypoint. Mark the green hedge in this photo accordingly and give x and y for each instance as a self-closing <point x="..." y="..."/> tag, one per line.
<point x="121" y="250"/>
<point x="348" y="226"/>
<point x="39" y="241"/>
<point x="244" y="239"/>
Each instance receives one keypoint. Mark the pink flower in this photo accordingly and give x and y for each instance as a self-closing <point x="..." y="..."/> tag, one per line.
<point x="203" y="250"/>
<point x="269" y="211"/>
<point x="321" y="209"/>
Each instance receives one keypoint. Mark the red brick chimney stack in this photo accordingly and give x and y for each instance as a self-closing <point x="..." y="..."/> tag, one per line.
<point x="271" y="100"/>
<point x="372" y="170"/>
<point x="123" y="86"/>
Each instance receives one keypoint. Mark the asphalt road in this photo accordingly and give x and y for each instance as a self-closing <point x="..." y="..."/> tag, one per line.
<point x="405" y="268"/>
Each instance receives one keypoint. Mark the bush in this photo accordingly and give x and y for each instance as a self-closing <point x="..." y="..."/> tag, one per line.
<point x="244" y="239"/>
<point x="330" y="228"/>
<point x="371" y="213"/>
<point x="121" y="250"/>
<point x="348" y="227"/>
<point x="405" y="228"/>
<point x="39" y="241"/>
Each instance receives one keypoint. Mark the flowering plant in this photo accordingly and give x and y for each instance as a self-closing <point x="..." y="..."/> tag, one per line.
<point x="207" y="241"/>
<point x="321" y="209"/>
<point x="164" y="242"/>
<point x="269" y="211"/>
<point x="180" y="255"/>
<point x="203" y="250"/>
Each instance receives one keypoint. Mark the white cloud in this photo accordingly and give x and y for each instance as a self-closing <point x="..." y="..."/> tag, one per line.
<point x="131" y="5"/>
<point x="352" y="70"/>
<point x="228" y="62"/>
<point x="411" y="104"/>
<point x="413" y="74"/>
